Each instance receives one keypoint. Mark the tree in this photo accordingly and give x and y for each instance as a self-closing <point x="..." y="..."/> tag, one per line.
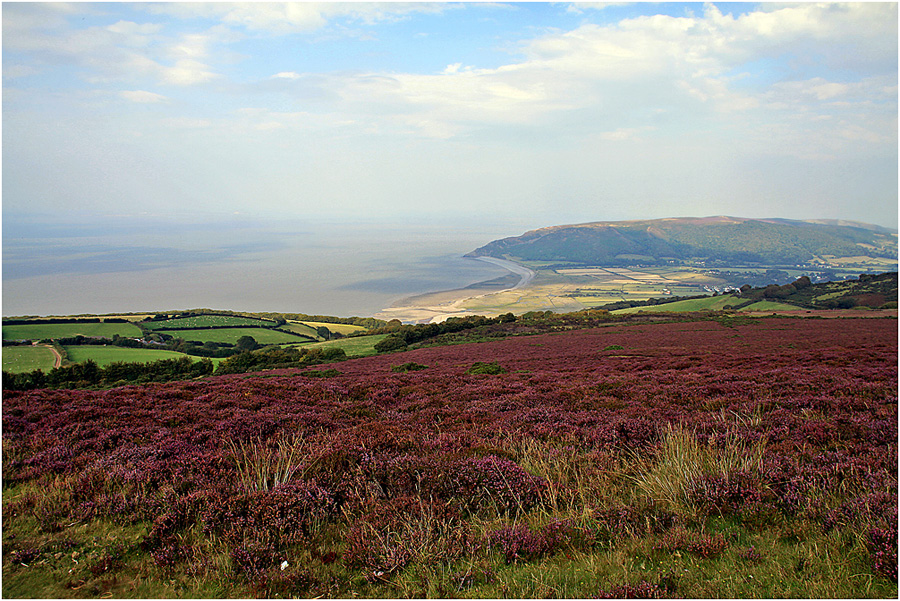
<point x="802" y="282"/>
<point x="246" y="343"/>
<point x="391" y="343"/>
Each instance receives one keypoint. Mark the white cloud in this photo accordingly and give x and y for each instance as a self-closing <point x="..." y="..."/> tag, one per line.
<point x="296" y="17"/>
<point x="186" y="72"/>
<point x="142" y="96"/>
<point x="124" y="51"/>
<point x="624" y="133"/>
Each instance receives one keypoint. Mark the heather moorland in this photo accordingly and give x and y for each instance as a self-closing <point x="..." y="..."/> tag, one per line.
<point x="725" y="457"/>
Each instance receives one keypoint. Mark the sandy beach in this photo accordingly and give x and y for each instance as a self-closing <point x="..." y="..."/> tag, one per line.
<point x="435" y="307"/>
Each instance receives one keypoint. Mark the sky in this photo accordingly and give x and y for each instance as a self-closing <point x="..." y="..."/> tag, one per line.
<point x="531" y="114"/>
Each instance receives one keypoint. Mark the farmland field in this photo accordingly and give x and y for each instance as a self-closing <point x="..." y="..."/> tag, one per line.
<point x="104" y="355"/>
<point x="206" y="321"/>
<point x="39" y="331"/>
<point x="231" y="335"/>
<point x="18" y="359"/>
<point x="341" y="328"/>
<point x="712" y="303"/>
<point x="738" y="459"/>
<point x="769" y="306"/>
<point x="300" y="328"/>
<point x="357" y="346"/>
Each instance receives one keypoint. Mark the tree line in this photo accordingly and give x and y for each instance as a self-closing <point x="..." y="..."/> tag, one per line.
<point x="88" y="374"/>
<point x="400" y="336"/>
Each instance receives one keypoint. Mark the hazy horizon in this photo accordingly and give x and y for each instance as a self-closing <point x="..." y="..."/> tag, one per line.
<point x="313" y="267"/>
<point x="175" y="129"/>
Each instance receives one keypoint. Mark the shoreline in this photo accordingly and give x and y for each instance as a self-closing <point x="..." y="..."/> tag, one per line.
<point x="435" y="307"/>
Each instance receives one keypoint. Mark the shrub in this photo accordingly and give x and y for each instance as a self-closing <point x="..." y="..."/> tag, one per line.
<point x="254" y="559"/>
<point x="481" y="367"/>
<point x="320" y="373"/>
<point x="25" y="556"/>
<point x="407" y="367"/>
<point x="393" y="342"/>
<point x="883" y="545"/>
<point x="520" y="543"/>
<point x="725" y="493"/>
<point x="494" y="481"/>
<point x="286" y="513"/>
<point x="703" y="545"/>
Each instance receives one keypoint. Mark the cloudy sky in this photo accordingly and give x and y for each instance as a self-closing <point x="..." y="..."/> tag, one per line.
<point x="406" y="111"/>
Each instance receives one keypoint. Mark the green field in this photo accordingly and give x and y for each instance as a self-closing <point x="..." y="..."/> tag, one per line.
<point x="231" y="335"/>
<point x="770" y="306"/>
<point x="20" y="359"/>
<point x="357" y="346"/>
<point x="340" y="328"/>
<point x="104" y="355"/>
<point x="300" y="328"/>
<point x="39" y="331"/>
<point x="206" y="321"/>
<point x="710" y="303"/>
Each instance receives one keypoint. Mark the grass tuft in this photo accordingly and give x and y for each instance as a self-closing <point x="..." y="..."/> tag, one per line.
<point x="681" y="462"/>
<point x="263" y="467"/>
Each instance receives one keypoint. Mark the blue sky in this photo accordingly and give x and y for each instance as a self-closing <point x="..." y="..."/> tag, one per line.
<point x="548" y="113"/>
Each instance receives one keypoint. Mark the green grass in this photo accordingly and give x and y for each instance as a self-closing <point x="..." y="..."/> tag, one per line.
<point x="357" y="346"/>
<point x="794" y="558"/>
<point x="19" y="359"/>
<point x="104" y="355"/>
<point x="713" y="303"/>
<point x="341" y="328"/>
<point x="206" y="321"/>
<point x="231" y="335"/>
<point x="300" y="328"/>
<point x="38" y="331"/>
<point x="770" y="306"/>
<point x="64" y="567"/>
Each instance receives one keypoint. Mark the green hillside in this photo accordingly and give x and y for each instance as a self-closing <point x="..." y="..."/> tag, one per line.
<point x="712" y="240"/>
<point x="41" y="331"/>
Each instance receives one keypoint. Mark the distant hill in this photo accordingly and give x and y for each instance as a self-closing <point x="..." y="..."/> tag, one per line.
<point x="731" y="240"/>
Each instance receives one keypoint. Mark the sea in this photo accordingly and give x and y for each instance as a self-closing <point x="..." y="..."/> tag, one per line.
<point x="128" y="264"/>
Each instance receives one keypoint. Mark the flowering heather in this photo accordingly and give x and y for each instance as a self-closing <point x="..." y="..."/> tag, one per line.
<point x="792" y="425"/>
<point x="702" y="545"/>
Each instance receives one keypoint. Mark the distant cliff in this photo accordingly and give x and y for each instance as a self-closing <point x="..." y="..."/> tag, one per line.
<point x="725" y="239"/>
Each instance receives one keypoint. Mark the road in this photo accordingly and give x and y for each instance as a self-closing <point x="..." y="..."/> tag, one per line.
<point x="57" y="361"/>
<point x="526" y="274"/>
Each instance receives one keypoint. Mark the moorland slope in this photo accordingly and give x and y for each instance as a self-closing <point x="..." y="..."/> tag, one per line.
<point x="722" y="458"/>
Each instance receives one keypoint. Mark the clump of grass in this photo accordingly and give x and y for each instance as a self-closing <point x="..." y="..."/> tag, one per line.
<point x="320" y="373"/>
<point x="681" y="462"/>
<point x="263" y="467"/>
<point x="482" y="367"/>
<point x="614" y="347"/>
<point x="407" y="367"/>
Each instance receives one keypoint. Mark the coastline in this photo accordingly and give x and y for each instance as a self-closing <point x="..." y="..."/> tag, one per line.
<point x="435" y="307"/>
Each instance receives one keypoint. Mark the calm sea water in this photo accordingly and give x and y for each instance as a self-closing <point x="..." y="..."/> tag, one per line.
<point x="331" y="268"/>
